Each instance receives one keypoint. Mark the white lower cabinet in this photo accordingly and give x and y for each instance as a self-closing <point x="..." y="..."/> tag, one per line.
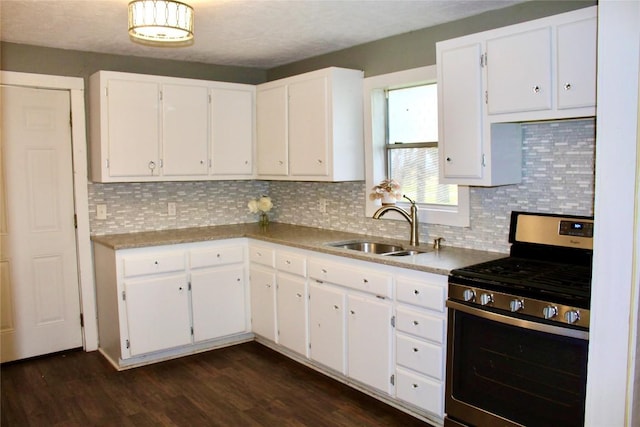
<point x="327" y="307"/>
<point x="420" y="340"/>
<point x="263" y="302"/>
<point x="160" y="302"/>
<point x="218" y="294"/>
<point x="157" y="311"/>
<point x="369" y="335"/>
<point x="291" y="297"/>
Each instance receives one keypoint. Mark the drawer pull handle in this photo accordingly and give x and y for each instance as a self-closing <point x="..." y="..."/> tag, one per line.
<point x="352" y="312"/>
<point x="416" y="292"/>
<point x="414" y="385"/>
<point x="536" y="89"/>
<point x="324" y="270"/>
<point x="155" y="262"/>
<point x="416" y="323"/>
<point x="365" y="280"/>
<point x="415" y="350"/>
<point x="288" y="262"/>
<point x="298" y="294"/>
<point x="335" y="307"/>
<point x="567" y="86"/>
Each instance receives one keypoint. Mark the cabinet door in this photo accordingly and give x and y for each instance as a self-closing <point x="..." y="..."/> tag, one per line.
<point x="218" y="302"/>
<point x="263" y="302"/>
<point x="157" y="313"/>
<point x="369" y="341"/>
<point x="308" y="128"/>
<point x="577" y="64"/>
<point x="231" y="132"/>
<point x="271" y="129"/>
<point x="519" y="72"/>
<point x="326" y="326"/>
<point x="134" y="128"/>
<point x="460" y="99"/>
<point x="292" y="313"/>
<point x="185" y="128"/>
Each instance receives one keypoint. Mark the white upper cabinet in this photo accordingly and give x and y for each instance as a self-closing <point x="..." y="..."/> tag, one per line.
<point x="155" y="128"/>
<point x="577" y="64"/>
<point x="310" y="127"/>
<point x="134" y="127"/>
<point x="273" y="144"/>
<point x="519" y="72"/>
<point x="490" y="82"/>
<point x="185" y="126"/>
<point x="232" y="132"/>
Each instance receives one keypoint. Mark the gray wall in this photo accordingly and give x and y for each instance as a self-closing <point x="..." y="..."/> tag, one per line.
<point x="418" y="48"/>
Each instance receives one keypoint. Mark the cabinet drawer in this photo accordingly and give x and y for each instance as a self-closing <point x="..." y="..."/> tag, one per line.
<point x="152" y="264"/>
<point x="420" y="325"/>
<point x="421" y="293"/>
<point x="262" y="255"/>
<point x="420" y="391"/>
<point x="370" y="281"/>
<point x="211" y="257"/>
<point x="420" y="356"/>
<point x="291" y="263"/>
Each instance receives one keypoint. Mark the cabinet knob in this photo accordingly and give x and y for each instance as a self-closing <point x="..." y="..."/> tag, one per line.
<point x="298" y="294"/>
<point x="152" y="165"/>
<point x="352" y="312"/>
<point x="246" y="162"/>
<point x="202" y="162"/>
<point x="416" y="292"/>
<point x="567" y="86"/>
<point x="415" y="350"/>
<point x="365" y="281"/>
<point x="320" y="161"/>
<point x="414" y="385"/>
<point x="536" y="89"/>
<point x="288" y="262"/>
<point x="324" y="270"/>
<point x="416" y="323"/>
<point x="280" y="162"/>
<point x="218" y="255"/>
<point x="448" y="159"/>
<point x="335" y="307"/>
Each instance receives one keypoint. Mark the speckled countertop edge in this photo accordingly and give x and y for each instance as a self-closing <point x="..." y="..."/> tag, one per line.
<point x="315" y="239"/>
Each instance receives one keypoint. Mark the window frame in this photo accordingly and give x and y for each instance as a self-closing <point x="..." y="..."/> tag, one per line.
<point x="375" y="136"/>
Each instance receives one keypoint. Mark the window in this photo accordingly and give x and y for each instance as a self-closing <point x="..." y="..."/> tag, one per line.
<point x="401" y="142"/>
<point x="412" y="144"/>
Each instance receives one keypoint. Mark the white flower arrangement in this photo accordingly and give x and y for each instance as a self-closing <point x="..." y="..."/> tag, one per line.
<point x="387" y="188"/>
<point x="261" y="204"/>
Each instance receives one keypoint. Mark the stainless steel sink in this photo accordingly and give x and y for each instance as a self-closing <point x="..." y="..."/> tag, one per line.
<point x="375" y="248"/>
<point x="368" y="247"/>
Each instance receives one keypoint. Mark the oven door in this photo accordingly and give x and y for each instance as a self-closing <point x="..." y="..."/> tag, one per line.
<point x="506" y="371"/>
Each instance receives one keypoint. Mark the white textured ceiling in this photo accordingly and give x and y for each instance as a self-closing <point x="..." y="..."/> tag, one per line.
<point x="250" y="33"/>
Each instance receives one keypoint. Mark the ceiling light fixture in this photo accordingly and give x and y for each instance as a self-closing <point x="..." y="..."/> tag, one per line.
<point x="161" y="22"/>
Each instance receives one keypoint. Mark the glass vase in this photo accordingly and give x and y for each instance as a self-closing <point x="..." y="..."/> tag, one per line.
<point x="264" y="220"/>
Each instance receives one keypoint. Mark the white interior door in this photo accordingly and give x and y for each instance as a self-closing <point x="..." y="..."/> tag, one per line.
<point x="39" y="289"/>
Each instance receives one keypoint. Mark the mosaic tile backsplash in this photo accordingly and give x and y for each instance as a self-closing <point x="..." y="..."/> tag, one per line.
<point x="558" y="177"/>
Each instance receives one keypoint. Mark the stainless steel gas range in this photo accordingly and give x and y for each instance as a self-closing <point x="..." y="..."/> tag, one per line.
<point x="519" y="328"/>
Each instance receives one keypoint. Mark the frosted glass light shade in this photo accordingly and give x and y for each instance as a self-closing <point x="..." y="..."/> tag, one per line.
<point x="161" y="21"/>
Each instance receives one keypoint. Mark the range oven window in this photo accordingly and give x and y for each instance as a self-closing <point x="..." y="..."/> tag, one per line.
<point x="526" y="376"/>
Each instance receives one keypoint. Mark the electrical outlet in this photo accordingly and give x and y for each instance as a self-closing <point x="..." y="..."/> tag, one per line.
<point x="322" y="205"/>
<point x="101" y="211"/>
<point x="171" y="209"/>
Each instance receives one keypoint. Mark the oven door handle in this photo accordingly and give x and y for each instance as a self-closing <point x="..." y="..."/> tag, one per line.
<point x="515" y="321"/>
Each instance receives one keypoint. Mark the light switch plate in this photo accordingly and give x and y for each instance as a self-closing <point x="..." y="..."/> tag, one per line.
<point x="101" y="211"/>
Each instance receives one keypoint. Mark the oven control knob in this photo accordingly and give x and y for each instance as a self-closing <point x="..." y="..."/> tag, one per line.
<point x="486" y="299"/>
<point x="516" y="305"/>
<point x="550" y="311"/>
<point x="469" y="295"/>
<point x="572" y="316"/>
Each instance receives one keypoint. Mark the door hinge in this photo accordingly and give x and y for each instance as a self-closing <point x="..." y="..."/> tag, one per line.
<point x="483" y="60"/>
<point x="127" y="344"/>
<point x="160" y="94"/>
<point x="486" y="97"/>
<point x="392" y="379"/>
<point x="75" y="220"/>
<point x="189" y="286"/>
<point x="192" y="330"/>
<point x="393" y="321"/>
<point x="484" y="161"/>
<point x="124" y="296"/>
<point x="106" y="163"/>
<point x="81" y="320"/>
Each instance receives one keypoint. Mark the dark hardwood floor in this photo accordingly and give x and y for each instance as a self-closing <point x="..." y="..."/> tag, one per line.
<point x="243" y="385"/>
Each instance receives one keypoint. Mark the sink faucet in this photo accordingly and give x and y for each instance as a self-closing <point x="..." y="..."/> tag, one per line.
<point x="412" y="218"/>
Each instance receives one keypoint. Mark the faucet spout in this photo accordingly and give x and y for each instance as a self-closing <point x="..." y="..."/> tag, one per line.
<point x="411" y="217"/>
